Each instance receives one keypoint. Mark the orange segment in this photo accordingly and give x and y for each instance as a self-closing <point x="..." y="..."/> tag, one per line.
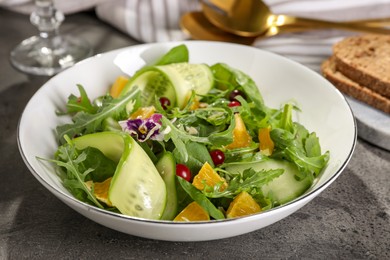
<point x="242" y="205"/>
<point x="143" y="112"/>
<point x="193" y="212"/>
<point x="195" y="104"/>
<point x="241" y="137"/>
<point x="118" y="86"/>
<point x="266" y="144"/>
<point x="101" y="190"/>
<point x="209" y="176"/>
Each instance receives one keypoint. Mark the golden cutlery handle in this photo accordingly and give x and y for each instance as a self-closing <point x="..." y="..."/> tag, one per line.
<point x="378" y="22"/>
<point x="283" y="20"/>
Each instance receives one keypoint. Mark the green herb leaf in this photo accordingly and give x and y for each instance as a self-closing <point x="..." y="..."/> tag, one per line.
<point x="228" y="77"/>
<point x="225" y="137"/>
<point x="179" y="137"/>
<point x="286" y="122"/>
<point x="197" y="156"/>
<point x="81" y="103"/>
<point x="175" y="55"/>
<point x="301" y="148"/>
<point x="103" y="168"/>
<point x="201" y="199"/>
<point x="305" y="163"/>
<point x="76" y="173"/>
<point x="312" y="145"/>
<point x="214" y="115"/>
<point x="250" y="181"/>
<point x="88" y="123"/>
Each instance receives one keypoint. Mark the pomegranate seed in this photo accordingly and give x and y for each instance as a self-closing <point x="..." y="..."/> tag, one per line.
<point x="165" y="102"/>
<point x="235" y="93"/>
<point x="183" y="171"/>
<point x="234" y="103"/>
<point x="217" y="156"/>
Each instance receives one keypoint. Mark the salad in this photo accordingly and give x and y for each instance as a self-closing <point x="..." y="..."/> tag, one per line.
<point x="184" y="142"/>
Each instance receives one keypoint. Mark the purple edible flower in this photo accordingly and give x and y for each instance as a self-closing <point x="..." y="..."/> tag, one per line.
<point x="143" y="129"/>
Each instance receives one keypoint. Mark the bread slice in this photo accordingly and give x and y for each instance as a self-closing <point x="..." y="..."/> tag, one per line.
<point x="365" y="59"/>
<point x="353" y="89"/>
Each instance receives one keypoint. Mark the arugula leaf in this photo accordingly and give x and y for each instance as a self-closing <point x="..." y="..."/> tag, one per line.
<point x="312" y="145"/>
<point x="266" y="202"/>
<point x="305" y="163"/>
<point x="225" y="137"/>
<point x="179" y="137"/>
<point x="216" y="97"/>
<point x="286" y="121"/>
<point x="301" y="148"/>
<point x="201" y="199"/>
<point x="81" y="103"/>
<point x="214" y="115"/>
<point x="250" y="181"/>
<point x="253" y="117"/>
<point x="282" y="138"/>
<point x="76" y="172"/>
<point x="243" y="155"/>
<point x="84" y="123"/>
<point x="203" y="122"/>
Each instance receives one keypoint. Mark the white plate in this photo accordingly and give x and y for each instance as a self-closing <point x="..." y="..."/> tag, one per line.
<point x="324" y="110"/>
<point x="373" y="125"/>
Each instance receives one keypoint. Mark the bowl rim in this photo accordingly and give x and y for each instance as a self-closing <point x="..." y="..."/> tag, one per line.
<point x="71" y="199"/>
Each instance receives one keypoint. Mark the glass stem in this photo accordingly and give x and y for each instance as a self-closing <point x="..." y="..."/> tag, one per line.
<point x="47" y="19"/>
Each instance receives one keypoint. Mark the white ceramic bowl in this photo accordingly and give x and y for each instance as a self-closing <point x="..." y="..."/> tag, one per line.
<point x="324" y="110"/>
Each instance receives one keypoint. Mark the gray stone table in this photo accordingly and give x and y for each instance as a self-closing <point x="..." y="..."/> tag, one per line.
<point x="349" y="220"/>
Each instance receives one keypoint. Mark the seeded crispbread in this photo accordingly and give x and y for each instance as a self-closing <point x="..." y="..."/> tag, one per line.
<point x="353" y="89"/>
<point x="365" y="59"/>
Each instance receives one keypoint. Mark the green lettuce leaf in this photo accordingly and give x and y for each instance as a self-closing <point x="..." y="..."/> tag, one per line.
<point x="228" y="77"/>
<point x="197" y="156"/>
<point x="175" y="55"/>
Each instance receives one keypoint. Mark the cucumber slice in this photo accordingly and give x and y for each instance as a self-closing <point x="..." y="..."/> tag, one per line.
<point x="187" y="77"/>
<point x="175" y="81"/>
<point x="152" y="83"/>
<point x="284" y="188"/>
<point x="137" y="188"/>
<point x="166" y="166"/>
<point x="111" y="144"/>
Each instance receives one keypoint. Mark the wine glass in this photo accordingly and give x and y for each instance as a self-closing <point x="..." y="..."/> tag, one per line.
<point x="49" y="52"/>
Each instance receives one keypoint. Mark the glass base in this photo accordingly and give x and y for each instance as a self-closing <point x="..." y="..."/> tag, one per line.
<point x="46" y="57"/>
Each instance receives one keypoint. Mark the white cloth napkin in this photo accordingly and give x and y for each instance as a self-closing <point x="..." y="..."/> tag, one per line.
<point x="148" y="20"/>
<point x="158" y="20"/>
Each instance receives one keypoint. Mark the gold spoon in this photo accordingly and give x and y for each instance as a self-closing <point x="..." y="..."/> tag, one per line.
<point x="198" y="27"/>
<point x="250" y="18"/>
